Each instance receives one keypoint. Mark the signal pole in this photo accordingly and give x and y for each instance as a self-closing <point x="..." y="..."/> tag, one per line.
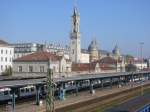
<point x="50" y="91"/>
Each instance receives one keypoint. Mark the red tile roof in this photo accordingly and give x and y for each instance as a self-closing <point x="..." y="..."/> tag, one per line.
<point x="83" y="67"/>
<point x="107" y="60"/>
<point x="106" y="63"/>
<point x="39" y="56"/>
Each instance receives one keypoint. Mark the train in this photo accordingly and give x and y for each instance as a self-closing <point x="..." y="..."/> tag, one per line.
<point x="6" y="93"/>
<point x="70" y="87"/>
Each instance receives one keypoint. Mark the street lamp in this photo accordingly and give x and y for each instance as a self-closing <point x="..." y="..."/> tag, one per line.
<point x="141" y="48"/>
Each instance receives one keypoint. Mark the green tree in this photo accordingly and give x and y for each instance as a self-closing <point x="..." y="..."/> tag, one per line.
<point x="8" y="71"/>
<point x="127" y="57"/>
<point x="130" y="68"/>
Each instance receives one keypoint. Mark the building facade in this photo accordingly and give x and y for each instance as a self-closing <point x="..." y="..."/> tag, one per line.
<point x="140" y="64"/>
<point x="23" y="49"/>
<point x="6" y="56"/>
<point x="37" y="63"/>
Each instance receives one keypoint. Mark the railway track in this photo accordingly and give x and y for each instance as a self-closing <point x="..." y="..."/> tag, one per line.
<point x="99" y="104"/>
<point x="90" y="105"/>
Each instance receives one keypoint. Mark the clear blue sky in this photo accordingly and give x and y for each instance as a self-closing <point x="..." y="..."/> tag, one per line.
<point x="126" y="22"/>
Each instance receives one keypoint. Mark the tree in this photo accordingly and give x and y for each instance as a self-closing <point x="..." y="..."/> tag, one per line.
<point x="127" y="57"/>
<point x="8" y="71"/>
<point x="130" y="68"/>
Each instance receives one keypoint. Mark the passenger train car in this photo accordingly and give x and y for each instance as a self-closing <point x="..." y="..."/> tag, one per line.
<point x="5" y="94"/>
<point x="29" y="91"/>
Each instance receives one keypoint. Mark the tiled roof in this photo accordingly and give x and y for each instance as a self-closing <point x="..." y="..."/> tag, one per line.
<point x="3" y="42"/>
<point x="83" y="67"/>
<point x="106" y="63"/>
<point x="107" y="60"/>
<point x="39" y="56"/>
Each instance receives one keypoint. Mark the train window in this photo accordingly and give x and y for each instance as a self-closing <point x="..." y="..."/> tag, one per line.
<point x="32" y="89"/>
<point x="22" y="90"/>
<point x="27" y="89"/>
<point x="1" y="93"/>
<point x="46" y="87"/>
<point x="5" y="92"/>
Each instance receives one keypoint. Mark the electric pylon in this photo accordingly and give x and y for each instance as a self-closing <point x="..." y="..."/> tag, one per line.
<point x="50" y="92"/>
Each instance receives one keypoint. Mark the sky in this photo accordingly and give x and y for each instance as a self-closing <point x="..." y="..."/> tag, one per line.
<point x="122" y="22"/>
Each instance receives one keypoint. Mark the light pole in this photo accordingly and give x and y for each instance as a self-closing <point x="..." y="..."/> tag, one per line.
<point x="50" y="90"/>
<point x="141" y="48"/>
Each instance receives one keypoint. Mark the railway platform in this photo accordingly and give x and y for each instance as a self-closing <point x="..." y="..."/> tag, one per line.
<point x="30" y="106"/>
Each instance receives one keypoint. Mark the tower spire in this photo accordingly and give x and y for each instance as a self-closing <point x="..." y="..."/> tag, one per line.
<point x="75" y="11"/>
<point x="75" y="19"/>
<point x="75" y="53"/>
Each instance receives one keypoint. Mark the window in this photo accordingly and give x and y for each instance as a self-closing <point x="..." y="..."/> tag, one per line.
<point x="22" y="90"/>
<point x="32" y="89"/>
<point x="54" y="68"/>
<point x="73" y="51"/>
<point x="5" y="93"/>
<point x="20" y="69"/>
<point x="27" y="90"/>
<point x="1" y="67"/>
<point x="30" y="68"/>
<point x="41" y="68"/>
<point x="6" y="59"/>
<point x="1" y="51"/>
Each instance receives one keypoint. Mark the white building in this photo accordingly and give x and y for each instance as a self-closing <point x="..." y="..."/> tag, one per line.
<point x="22" y="49"/>
<point x="36" y="64"/>
<point x="140" y="64"/>
<point x="56" y="48"/>
<point x="6" y="56"/>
